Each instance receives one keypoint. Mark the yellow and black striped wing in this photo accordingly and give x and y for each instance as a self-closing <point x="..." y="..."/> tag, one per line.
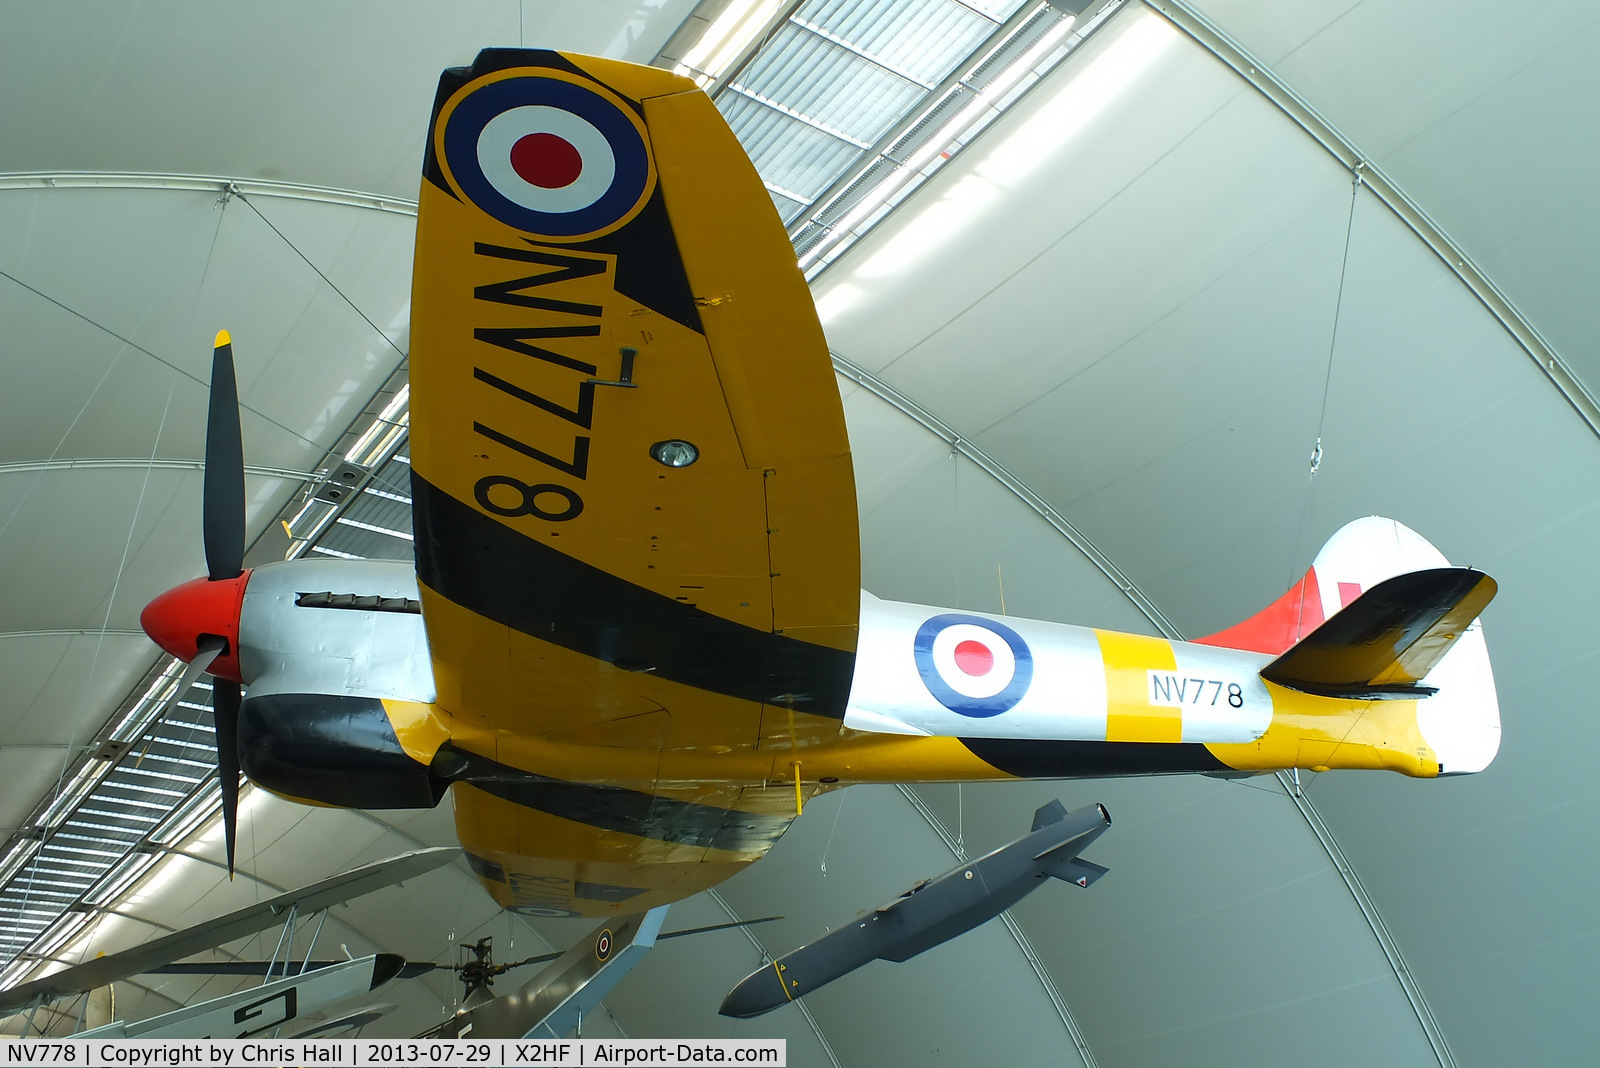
<point x="634" y="505"/>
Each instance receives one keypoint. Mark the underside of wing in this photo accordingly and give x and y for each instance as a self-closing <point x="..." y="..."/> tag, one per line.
<point x="634" y="505"/>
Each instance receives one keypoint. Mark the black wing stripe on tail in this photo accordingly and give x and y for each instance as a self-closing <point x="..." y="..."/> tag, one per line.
<point x="1385" y="641"/>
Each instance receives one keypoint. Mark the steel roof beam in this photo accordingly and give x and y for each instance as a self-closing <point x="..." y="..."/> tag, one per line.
<point x="144" y="464"/>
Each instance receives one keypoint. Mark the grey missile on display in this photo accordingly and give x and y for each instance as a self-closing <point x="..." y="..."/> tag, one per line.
<point x="933" y="911"/>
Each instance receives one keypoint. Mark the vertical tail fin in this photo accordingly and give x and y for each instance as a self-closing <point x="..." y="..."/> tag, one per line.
<point x="1054" y="812"/>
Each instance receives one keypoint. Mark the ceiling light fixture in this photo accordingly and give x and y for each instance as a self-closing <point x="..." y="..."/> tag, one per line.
<point x="396" y="414"/>
<point x="932" y="227"/>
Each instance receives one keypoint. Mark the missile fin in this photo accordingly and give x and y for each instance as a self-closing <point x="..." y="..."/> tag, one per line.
<point x="1077" y="871"/>
<point x="1054" y="812"/>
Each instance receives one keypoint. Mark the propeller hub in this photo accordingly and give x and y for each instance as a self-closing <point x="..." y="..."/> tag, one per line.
<point x="179" y="618"/>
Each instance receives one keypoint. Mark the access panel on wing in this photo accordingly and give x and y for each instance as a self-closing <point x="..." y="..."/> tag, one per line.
<point x="602" y="285"/>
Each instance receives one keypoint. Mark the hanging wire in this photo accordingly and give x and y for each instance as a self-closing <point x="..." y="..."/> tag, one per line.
<point x="104" y="329"/>
<point x="326" y="280"/>
<point x="105" y="623"/>
<point x="1327" y="381"/>
<point x="829" y="844"/>
<point x="144" y="486"/>
<point x="122" y="350"/>
<point x="138" y="504"/>
<point x="1338" y="306"/>
<point x="961" y="822"/>
<point x="955" y="509"/>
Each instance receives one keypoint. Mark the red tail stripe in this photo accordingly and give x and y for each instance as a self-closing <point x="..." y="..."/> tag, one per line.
<point x="1281" y="624"/>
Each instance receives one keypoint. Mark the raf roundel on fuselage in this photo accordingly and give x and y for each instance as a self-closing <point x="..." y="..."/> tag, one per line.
<point x="973" y="666"/>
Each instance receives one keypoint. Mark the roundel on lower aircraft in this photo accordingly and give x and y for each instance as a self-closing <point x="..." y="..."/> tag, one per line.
<point x="971" y="665"/>
<point x="550" y="154"/>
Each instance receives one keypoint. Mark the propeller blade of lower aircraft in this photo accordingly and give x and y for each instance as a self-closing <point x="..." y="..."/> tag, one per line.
<point x="225" y="700"/>
<point x="222" y="507"/>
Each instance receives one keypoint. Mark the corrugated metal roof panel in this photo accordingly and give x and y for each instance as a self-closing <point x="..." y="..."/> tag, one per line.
<point x="832" y="86"/>
<point x="787" y="152"/>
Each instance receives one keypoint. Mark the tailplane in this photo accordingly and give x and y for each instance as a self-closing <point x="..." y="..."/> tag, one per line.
<point x="1384" y="643"/>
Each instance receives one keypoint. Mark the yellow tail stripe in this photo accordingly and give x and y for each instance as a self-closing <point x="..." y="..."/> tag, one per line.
<point x="1130" y="717"/>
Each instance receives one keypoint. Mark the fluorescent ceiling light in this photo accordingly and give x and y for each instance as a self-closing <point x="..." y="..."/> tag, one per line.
<point x="1029" y="59"/>
<point x="156" y="881"/>
<point x="395" y="413"/>
<point x="725" y="38"/>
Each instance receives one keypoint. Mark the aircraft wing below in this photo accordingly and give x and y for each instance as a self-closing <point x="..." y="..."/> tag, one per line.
<point x="256" y="1010"/>
<point x="212" y="933"/>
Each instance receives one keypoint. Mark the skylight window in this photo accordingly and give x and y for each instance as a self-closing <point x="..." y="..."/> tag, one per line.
<point x="845" y="106"/>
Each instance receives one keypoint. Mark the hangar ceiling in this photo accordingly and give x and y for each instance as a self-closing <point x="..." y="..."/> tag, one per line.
<point x="1143" y="294"/>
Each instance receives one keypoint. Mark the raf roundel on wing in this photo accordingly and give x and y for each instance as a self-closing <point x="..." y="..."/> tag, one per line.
<point x="548" y="156"/>
<point x="971" y="665"/>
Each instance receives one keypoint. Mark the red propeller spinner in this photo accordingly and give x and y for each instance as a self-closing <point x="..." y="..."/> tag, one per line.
<point x="182" y="618"/>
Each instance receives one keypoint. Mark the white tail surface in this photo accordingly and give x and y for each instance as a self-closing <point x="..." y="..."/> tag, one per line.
<point x="1461" y="723"/>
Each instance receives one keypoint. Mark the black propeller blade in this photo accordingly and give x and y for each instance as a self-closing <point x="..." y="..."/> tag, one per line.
<point x="225" y="700"/>
<point x="222" y="513"/>
<point x="222" y="526"/>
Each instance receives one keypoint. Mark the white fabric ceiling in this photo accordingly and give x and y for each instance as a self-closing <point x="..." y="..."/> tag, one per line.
<point x="1130" y="307"/>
